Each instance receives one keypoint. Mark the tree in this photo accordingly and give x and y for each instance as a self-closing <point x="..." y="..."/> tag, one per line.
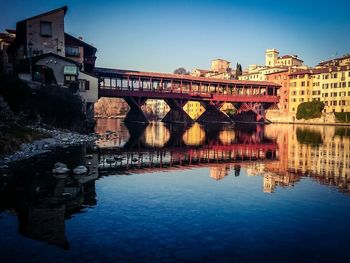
<point x="310" y="110"/>
<point x="181" y="71"/>
<point x="238" y="70"/>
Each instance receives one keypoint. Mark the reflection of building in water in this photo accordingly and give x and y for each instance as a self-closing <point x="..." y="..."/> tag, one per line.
<point x="227" y="137"/>
<point x="255" y="169"/>
<point x="194" y="135"/>
<point x="272" y="180"/>
<point x="219" y="172"/>
<point x="322" y="152"/>
<point x="156" y="134"/>
<point x="281" y="133"/>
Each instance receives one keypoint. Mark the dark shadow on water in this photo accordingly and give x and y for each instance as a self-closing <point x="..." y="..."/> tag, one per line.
<point x="308" y="136"/>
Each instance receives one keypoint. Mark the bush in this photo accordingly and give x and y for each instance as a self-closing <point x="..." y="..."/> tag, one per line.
<point x="310" y="110"/>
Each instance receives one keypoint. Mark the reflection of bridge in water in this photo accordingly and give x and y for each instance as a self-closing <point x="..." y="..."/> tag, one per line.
<point x="181" y="147"/>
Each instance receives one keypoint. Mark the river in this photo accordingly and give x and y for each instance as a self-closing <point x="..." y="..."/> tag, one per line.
<point x="169" y="193"/>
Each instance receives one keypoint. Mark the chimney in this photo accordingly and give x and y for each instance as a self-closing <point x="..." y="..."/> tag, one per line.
<point x="80" y="38"/>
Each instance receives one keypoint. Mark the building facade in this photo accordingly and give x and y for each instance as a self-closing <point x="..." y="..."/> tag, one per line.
<point x="272" y="59"/>
<point x="330" y="85"/>
<point x="281" y="78"/>
<point x="43" y="52"/>
<point x="300" y="90"/>
<point x="6" y="39"/>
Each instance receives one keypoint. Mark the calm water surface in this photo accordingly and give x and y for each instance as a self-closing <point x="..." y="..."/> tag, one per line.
<point x="157" y="193"/>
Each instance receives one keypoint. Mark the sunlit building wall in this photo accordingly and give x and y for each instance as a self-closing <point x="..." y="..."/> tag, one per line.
<point x="300" y="89"/>
<point x="332" y="86"/>
<point x="194" y="109"/>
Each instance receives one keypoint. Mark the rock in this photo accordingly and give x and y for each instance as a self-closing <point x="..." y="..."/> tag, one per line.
<point x="60" y="168"/>
<point x="81" y="169"/>
<point x="58" y="164"/>
<point x="4" y="167"/>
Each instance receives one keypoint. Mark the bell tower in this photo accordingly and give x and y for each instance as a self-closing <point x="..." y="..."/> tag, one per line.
<point x="271" y="56"/>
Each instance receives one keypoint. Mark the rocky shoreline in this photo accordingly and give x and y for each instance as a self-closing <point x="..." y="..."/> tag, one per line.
<point x="56" y="138"/>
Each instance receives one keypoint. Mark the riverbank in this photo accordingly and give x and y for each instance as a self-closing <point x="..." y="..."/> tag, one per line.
<point x="47" y="140"/>
<point x="314" y="123"/>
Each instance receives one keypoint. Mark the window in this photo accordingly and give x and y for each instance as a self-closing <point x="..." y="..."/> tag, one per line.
<point x="45" y="29"/>
<point x="72" y="51"/>
<point x="84" y="84"/>
<point x="70" y="78"/>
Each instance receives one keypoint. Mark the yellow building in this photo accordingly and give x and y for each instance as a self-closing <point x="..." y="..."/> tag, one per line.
<point x="300" y="89"/>
<point x="199" y="72"/>
<point x="220" y="69"/>
<point x="220" y="65"/>
<point x="194" y="109"/>
<point x="332" y="87"/>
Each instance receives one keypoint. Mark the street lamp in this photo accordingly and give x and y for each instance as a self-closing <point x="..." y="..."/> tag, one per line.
<point x="30" y="46"/>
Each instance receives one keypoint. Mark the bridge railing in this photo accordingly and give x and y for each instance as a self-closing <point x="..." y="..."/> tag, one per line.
<point x="263" y="92"/>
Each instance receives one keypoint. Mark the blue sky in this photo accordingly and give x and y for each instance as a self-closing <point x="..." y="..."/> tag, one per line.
<point x="163" y="35"/>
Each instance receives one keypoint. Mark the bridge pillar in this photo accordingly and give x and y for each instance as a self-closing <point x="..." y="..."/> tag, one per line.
<point x="135" y="113"/>
<point x="213" y="114"/>
<point x="177" y="113"/>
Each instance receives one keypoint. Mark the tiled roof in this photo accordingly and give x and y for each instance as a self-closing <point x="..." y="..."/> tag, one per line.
<point x="334" y="59"/>
<point x="320" y="70"/>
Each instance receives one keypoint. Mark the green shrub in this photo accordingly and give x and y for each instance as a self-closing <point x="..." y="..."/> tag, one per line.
<point x="310" y="110"/>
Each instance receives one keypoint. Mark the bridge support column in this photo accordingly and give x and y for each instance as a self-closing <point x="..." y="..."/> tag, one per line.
<point x="177" y="113"/>
<point x="213" y="114"/>
<point x="135" y="113"/>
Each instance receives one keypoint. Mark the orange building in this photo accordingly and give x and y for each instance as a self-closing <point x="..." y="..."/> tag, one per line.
<point x="281" y="78"/>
